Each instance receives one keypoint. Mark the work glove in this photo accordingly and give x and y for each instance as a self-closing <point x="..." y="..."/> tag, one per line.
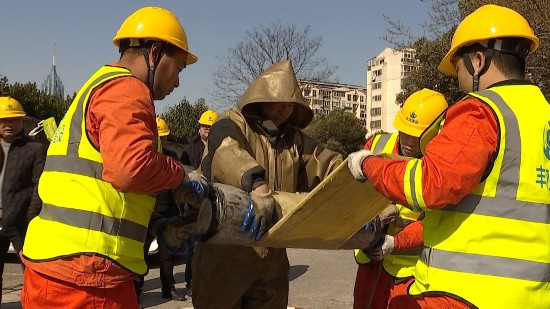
<point x="388" y="214"/>
<point x="193" y="189"/>
<point x="382" y="244"/>
<point x="388" y="245"/>
<point x="355" y="164"/>
<point x="260" y="214"/>
<point x="374" y="251"/>
<point x="175" y="233"/>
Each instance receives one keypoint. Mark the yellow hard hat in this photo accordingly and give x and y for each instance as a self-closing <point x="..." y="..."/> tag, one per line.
<point x="419" y="111"/>
<point x="488" y="22"/>
<point x="162" y="127"/>
<point x="208" y="118"/>
<point x="155" y="23"/>
<point x="10" y="108"/>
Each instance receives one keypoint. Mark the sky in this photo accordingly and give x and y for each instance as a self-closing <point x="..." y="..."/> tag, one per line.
<point x="351" y="33"/>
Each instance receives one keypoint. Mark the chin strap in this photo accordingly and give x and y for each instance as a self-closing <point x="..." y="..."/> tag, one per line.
<point x="468" y="63"/>
<point x="151" y="70"/>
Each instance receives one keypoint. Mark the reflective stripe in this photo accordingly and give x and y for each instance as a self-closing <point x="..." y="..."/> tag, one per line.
<point x="486" y="265"/>
<point x="74" y="165"/>
<point x="505" y="204"/>
<point x="380" y="143"/>
<point x="508" y="181"/>
<point x="496" y="207"/>
<point x="416" y="199"/>
<point x="94" y="221"/>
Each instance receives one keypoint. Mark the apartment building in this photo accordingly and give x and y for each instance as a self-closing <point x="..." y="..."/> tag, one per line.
<point x="385" y="75"/>
<point x="323" y="97"/>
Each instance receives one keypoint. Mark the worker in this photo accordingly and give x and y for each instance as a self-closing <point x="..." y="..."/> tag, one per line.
<point x="21" y="163"/>
<point x="194" y="149"/>
<point x="259" y="148"/>
<point x="167" y="207"/>
<point x="192" y="155"/>
<point x="483" y="181"/>
<point x="376" y="278"/>
<point x="102" y="169"/>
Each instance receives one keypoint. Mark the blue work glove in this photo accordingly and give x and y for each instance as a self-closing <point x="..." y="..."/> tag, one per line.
<point x="260" y="215"/>
<point x="194" y="192"/>
<point x="175" y="233"/>
<point x="193" y="189"/>
<point x="355" y="164"/>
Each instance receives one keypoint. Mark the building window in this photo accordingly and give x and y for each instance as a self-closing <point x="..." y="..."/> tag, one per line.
<point x="376" y="124"/>
<point x="377" y="98"/>
<point x="377" y="111"/>
<point x="405" y="69"/>
<point x="349" y="97"/>
<point x="314" y="93"/>
<point x="362" y="99"/>
<point x="377" y="85"/>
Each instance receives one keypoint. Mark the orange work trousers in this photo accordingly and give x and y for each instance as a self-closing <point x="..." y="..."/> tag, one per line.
<point x="366" y="283"/>
<point x="44" y="292"/>
<point x="401" y="299"/>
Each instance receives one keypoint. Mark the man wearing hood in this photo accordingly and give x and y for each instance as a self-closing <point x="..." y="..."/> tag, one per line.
<point x="259" y="148"/>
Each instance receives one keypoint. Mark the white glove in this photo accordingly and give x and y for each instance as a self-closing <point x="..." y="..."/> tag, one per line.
<point x="388" y="245"/>
<point x="355" y="164"/>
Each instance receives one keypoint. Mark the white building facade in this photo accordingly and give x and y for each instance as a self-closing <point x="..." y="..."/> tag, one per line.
<point x="323" y="97"/>
<point x="385" y="75"/>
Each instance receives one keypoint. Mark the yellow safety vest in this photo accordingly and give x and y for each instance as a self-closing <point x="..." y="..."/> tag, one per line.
<point x="82" y="213"/>
<point x="397" y="265"/>
<point x="492" y="249"/>
<point x="402" y="265"/>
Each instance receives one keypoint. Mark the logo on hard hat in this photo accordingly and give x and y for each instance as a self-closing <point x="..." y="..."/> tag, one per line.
<point x="546" y="140"/>
<point x="412" y="117"/>
<point x="10" y="107"/>
<point x="210" y="118"/>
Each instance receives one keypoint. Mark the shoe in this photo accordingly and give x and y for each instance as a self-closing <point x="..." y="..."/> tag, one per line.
<point x="173" y="295"/>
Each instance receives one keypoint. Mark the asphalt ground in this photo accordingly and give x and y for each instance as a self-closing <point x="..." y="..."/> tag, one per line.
<point x="318" y="279"/>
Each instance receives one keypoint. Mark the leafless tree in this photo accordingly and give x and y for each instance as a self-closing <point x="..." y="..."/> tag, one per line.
<point x="263" y="47"/>
<point x="445" y="15"/>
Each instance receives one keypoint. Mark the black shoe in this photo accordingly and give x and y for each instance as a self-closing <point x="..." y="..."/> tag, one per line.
<point x="173" y="295"/>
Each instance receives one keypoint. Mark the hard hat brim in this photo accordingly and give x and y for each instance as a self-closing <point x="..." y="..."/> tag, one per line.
<point x="406" y="127"/>
<point x="15" y="114"/>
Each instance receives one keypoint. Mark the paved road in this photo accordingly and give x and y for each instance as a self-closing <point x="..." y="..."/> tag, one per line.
<point x="319" y="279"/>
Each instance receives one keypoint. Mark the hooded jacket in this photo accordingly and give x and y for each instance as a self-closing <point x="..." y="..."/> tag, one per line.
<point x="246" y="150"/>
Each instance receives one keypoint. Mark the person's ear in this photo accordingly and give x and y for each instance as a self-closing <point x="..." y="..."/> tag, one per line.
<point x="155" y="52"/>
<point x="478" y="61"/>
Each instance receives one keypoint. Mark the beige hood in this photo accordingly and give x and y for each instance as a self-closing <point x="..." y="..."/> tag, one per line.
<point x="277" y="84"/>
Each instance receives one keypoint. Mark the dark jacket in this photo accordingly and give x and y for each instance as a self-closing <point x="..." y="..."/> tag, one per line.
<point x="192" y="152"/>
<point x="165" y="204"/>
<point x="20" y="200"/>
